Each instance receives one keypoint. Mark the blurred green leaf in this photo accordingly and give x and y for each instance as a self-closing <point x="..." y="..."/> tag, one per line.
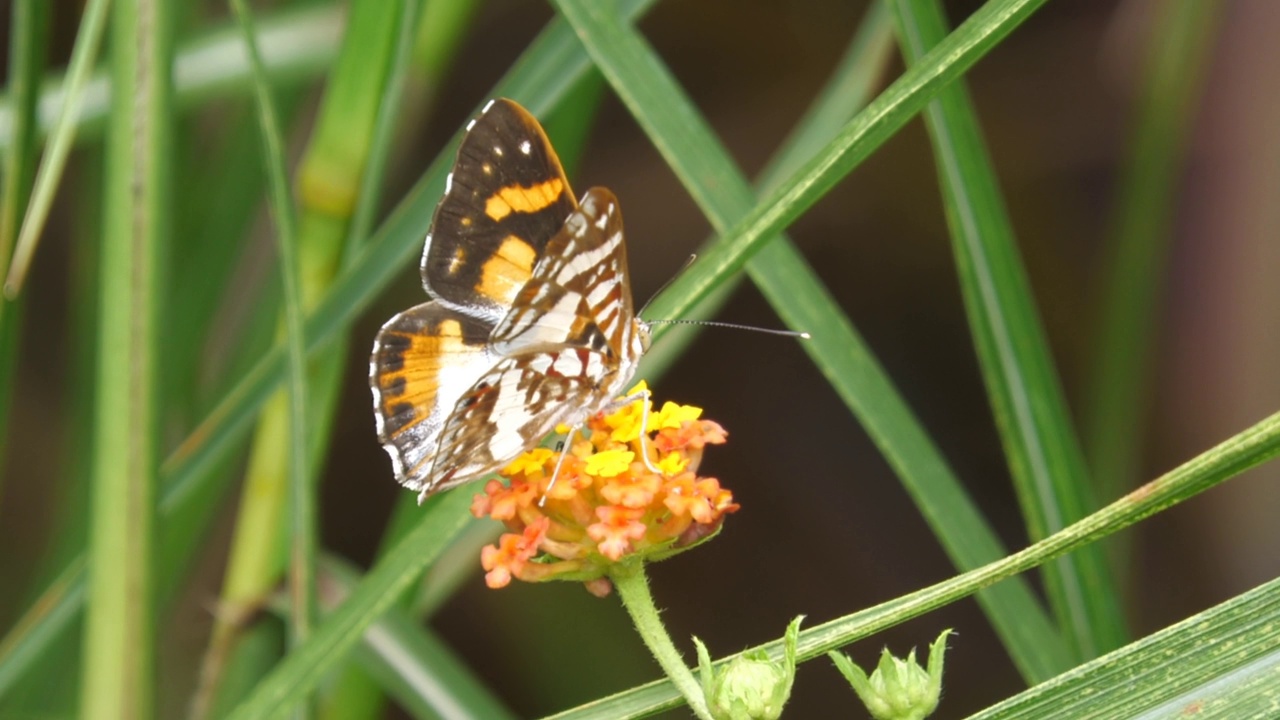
<point x="302" y="556"/>
<point x="49" y="173"/>
<point x="298" y="673"/>
<point x="422" y="672"/>
<point x="298" y="45"/>
<point x="120" y="633"/>
<point x="278" y="502"/>
<point x="28" y="45"/>
<point x="1025" y="394"/>
<point x="855" y="142"/>
<point x="1182" y="38"/>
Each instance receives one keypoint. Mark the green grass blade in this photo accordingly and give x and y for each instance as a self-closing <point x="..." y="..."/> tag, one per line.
<point x="859" y="138"/>
<point x="61" y="664"/>
<point x="1250" y="448"/>
<point x="49" y="174"/>
<point x="300" y="671"/>
<point x="29" y="40"/>
<point x="442" y="28"/>
<point x="698" y="159"/>
<point x="119" y="645"/>
<point x="1139" y="239"/>
<point x="1221" y="663"/>
<point x="846" y="92"/>
<point x="41" y="627"/>
<point x="1031" y="413"/>
<point x="189" y="475"/>
<point x="416" y="667"/>
<point x="211" y="242"/>
<point x="382" y="135"/>
<point x="297" y="45"/>
<point x="302" y="582"/>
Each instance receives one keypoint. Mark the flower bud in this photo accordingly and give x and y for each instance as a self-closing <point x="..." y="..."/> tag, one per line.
<point x="898" y="689"/>
<point x="751" y="686"/>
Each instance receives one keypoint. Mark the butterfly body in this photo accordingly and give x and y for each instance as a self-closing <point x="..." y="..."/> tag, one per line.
<point x="531" y="323"/>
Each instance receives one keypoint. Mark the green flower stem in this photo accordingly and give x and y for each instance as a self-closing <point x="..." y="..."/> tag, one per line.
<point x="633" y="588"/>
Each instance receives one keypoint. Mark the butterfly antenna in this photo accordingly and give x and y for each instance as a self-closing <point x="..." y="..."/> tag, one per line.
<point x="735" y="326"/>
<point x="667" y="284"/>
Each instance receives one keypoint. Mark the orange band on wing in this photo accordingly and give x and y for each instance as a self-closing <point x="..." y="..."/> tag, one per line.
<point x="518" y="198"/>
<point x="411" y="370"/>
<point x="503" y="274"/>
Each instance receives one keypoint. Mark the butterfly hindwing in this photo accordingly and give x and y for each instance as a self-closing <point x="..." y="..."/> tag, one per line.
<point x="522" y="397"/>
<point x="423" y="360"/>
<point x="505" y="199"/>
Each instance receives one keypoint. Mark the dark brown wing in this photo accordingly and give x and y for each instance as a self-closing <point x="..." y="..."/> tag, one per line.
<point x="505" y="199"/>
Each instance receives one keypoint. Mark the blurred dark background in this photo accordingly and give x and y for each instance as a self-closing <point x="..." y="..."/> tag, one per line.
<point x="825" y="528"/>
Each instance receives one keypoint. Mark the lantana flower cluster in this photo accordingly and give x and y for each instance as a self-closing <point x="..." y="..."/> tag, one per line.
<point x="607" y="505"/>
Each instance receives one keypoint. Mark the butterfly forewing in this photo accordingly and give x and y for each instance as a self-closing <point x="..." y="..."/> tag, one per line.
<point x="505" y="199"/>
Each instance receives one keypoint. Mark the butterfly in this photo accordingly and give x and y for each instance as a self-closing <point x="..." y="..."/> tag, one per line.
<point x="531" y="324"/>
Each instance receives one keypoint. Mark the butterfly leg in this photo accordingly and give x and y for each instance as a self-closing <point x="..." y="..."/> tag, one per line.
<point x="644" y="434"/>
<point x="568" y="443"/>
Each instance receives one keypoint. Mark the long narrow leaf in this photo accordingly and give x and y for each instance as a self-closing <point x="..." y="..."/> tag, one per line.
<point x="30" y="40"/>
<point x="1139" y="240"/>
<point x="49" y="174"/>
<point x="298" y="673"/>
<point x="120" y="635"/>
<point x="328" y="182"/>
<point x="1025" y="394"/>
<point x="1221" y="663"/>
<point x="303" y="548"/>
<point x="416" y="666"/>
<point x="859" y="138"/>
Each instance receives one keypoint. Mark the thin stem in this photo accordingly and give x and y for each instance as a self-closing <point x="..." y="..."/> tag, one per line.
<point x="253" y="565"/>
<point x="83" y="56"/>
<point x="303" y="552"/>
<point x="633" y="588"/>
